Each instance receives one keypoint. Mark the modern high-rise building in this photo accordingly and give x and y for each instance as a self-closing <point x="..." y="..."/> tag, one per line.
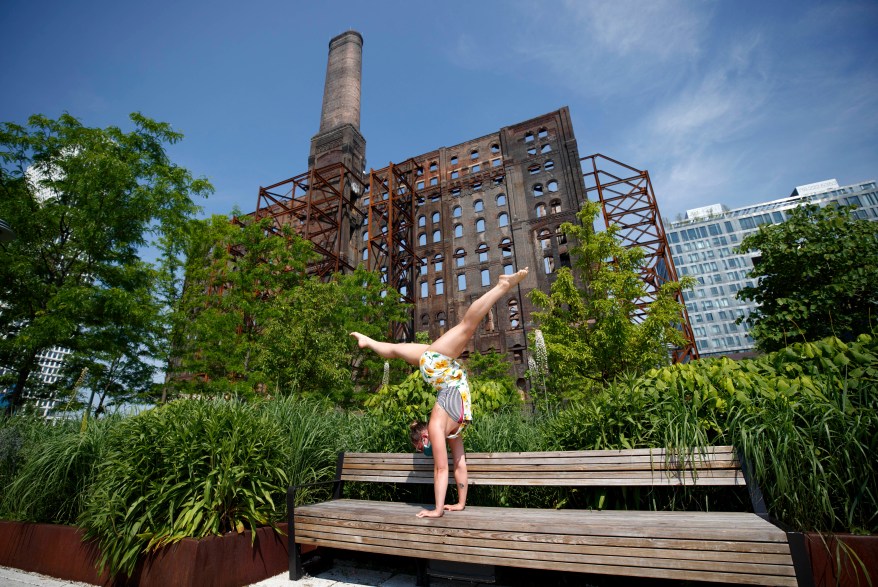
<point x="49" y="364"/>
<point x="704" y="245"/>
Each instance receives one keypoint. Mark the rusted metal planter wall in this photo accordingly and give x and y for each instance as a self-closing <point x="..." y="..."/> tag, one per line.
<point x="222" y="561"/>
<point x="832" y="566"/>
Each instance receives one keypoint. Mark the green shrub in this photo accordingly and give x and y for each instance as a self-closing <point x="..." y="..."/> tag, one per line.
<point x="189" y="468"/>
<point x="53" y="468"/>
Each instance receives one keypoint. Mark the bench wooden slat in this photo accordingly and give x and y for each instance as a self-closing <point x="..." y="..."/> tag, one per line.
<point x="739" y="526"/>
<point x="677" y="575"/>
<point x="536" y="539"/>
<point x="732" y="478"/>
<point x="727" y="551"/>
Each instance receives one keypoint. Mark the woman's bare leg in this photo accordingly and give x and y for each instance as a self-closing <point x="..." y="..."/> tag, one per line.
<point x="410" y="352"/>
<point x="453" y="342"/>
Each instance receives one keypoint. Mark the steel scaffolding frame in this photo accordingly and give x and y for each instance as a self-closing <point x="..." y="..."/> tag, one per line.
<point x="628" y="202"/>
<point x="318" y="205"/>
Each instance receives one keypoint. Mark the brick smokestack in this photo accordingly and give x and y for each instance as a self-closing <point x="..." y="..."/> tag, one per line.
<point x="341" y="94"/>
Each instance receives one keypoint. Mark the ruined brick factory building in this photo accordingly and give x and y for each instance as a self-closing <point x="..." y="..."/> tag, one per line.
<point x="442" y="226"/>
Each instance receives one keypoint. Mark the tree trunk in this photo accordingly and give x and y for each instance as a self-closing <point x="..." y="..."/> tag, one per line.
<point x="16" y="397"/>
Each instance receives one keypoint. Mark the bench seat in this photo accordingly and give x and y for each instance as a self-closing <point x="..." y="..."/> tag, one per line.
<point x="724" y="547"/>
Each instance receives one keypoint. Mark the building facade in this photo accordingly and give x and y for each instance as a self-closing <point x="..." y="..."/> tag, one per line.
<point x="485" y="207"/>
<point x="705" y="246"/>
<point x="49" y="363"/>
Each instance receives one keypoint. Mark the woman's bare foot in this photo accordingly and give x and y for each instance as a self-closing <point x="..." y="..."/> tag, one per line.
<point x="431" y="513"/>
<point x="454" y="507"/>
<point x="515" y="278"/>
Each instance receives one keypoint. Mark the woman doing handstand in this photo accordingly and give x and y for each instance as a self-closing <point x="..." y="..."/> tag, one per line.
<point x="452" y="411"/>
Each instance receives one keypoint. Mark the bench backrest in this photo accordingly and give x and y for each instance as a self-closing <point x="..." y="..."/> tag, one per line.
<point x="715" y="465"/>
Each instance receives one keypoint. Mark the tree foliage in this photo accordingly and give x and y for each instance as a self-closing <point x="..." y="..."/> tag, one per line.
<point x="588" y="318"/>
<point x="817" y="277"/>
<point x="84" y="202"/>
<point x="252" y="321"/>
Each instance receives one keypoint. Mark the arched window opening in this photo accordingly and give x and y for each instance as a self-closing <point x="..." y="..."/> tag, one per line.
<point x="461" y="282"/>
<point x="540" y="210"/>
<point x="422" y="239"/>
<point x="479" y="206"/>
<point x="545" y="239"/>
<point x="555" y="206"/>
<point x="553" y="186"/>
<point x="480" y="225"/>
<point x="501" y="199"/>
<point x="538" y="190"/>
<point x="435" y="217"/>
<point x="437" y="236"/>
<point x="482" y="251"/>
<point x="514" y="320"/>
<point x="506" y="247"/>
<point x="503" y="219"/>
<point x="440" y="286"/>
<point x="458" y="230"/>
<point x="456" y="212"/>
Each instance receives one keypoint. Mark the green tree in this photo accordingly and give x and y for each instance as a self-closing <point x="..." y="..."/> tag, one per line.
<point x="236" y="272"/>
<point x="84" y="202"/>
<point x="589" y="320"/>
<point x="817" y="277"/>
<point x="308" y="349"/>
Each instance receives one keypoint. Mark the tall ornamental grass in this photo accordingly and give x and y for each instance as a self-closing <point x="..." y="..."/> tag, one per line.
<point x="190" y="468"/>
<point x="48" y="467"/>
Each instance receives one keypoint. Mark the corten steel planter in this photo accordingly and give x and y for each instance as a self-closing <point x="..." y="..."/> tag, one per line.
<point x="221" y="561"/>
<point x="843" y="564"/>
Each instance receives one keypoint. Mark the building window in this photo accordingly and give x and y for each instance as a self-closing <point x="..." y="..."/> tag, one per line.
<point x="437" y="236"/>
<point x="479" y="206"/>
<point x="476" y="168"/>
<point x="433" y="166"/>
<point x="562" y="238"/>
<point x="548" y="265"/>
<point x="534" y="169"/>
<point x="555" y="206"/>
<point x="474" y="154"/>
<point x="424" y="289"/>
<point x="455" y="174"/>
<point x="480" y="225"/>
<point x="461" y="282"/>
<point x="422" y="220"/>
<point x="501" y="199"/>
<point x="549" y="165"/>
<point x="440" y="287"/>
<point x="514" y="321"/>
<point x="477" y="186"/>
<point x="456" y="212"/>
<point x="486" y="278"/>
<point x="422" y="239"/>
<point x="458" y="230"/>
<point x="425" y="321"/>
<point x="435" y="218"/>
<point x="483" y="253"/>
<point x="503" y="219"/>
<point x="540" y="210"/>
<point x="538" y="190"/>
<point x="454" y="160"/>
<point x="543" y="133"/>
<point x="529" y="137"/>
<point x="546" y="148"/>
<point x="507" y="269"/>
<point x="460" y="257"/>
<point x="545" y="239"/>
<point x="437" y="262"/>
<point x="495" y="148"/>
<point x="434" y="181"/>
<point x="553" y="186"/>
<point x="365" y="254"/>
<point x="506" y="247"/>
<point x="440" y="318"/>
<point x="532" y="151"/>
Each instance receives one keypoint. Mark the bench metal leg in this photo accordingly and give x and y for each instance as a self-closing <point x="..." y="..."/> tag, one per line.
<point x="801" y="559"/>
<point x="423" y="579"/>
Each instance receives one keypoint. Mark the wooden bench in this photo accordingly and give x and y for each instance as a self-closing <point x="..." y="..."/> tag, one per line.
<point x="725" y="547"/>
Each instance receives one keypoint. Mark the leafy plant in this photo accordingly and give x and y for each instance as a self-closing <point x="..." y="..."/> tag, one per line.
<point x="57" y="466"/>
<point x="817" y="276"/>
<point x="590" y="321"/>
<point x="189" y="468"/>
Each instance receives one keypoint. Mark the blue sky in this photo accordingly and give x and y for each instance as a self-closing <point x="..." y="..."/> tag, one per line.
<point x="728" y="102"/>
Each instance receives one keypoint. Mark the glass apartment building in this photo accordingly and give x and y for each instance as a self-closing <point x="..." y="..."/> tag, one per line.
<point x="705" y="246"/>
<point x="49" y="364"/>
